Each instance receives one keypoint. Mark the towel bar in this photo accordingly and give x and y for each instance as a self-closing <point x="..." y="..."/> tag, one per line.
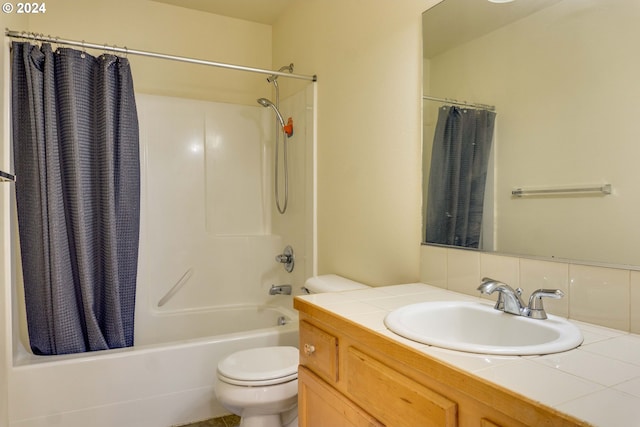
<point x="604" y="189"/>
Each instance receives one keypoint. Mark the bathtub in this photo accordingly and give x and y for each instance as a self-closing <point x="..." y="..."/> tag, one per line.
<point x="166" y="379"/>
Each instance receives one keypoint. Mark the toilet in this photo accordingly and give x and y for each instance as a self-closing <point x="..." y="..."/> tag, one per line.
<point x="261" y="384"/>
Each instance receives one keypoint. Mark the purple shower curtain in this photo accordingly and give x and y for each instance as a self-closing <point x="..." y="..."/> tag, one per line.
<point x="76" y="156"/>
<point x="459" y="163"/>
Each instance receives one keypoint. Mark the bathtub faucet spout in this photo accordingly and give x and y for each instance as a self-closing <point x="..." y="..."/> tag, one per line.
<point x="280" y="290"/>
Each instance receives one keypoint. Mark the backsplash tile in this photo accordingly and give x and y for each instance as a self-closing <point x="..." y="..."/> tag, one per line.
<point x="538" y="274"/>
<point x="502" y="268"/>
<point x="463" y="271"/>
<point x="598" y="295"/>
<point x="434" y="262"/>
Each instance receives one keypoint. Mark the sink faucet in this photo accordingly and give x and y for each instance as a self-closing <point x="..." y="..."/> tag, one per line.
<point x="509" y="299"/>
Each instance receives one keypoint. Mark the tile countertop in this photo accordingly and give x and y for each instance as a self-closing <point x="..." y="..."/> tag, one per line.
<point x="598" y="382"/>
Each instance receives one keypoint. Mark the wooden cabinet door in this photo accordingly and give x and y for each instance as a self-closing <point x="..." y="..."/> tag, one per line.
<point x="486" y="423"/>
<point x="393" y="398"/>
<point x="320" y="405"/>
<point x="319" y="351"/>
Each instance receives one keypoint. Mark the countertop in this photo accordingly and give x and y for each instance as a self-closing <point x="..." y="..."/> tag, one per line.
<point x="598" y="382"/>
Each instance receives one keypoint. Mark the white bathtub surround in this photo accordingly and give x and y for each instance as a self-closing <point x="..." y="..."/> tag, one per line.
<point x="206" y="219"/>
<point x="595" y="294"/>
<point x="598" y="382"/>
<point x="208" y="232"/>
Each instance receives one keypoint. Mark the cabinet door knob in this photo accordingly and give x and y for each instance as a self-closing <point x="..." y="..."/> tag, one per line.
<point x="309" y="349"/>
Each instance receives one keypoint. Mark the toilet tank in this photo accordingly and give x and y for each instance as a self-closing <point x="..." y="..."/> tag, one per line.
<point x="331" y="283"/>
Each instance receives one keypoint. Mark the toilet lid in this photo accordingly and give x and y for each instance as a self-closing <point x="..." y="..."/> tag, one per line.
<point x="261" y="364"/>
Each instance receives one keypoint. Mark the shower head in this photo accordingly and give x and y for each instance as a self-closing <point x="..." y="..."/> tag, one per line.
<point x="288" y="68"/>
<point x="266" y="103"/>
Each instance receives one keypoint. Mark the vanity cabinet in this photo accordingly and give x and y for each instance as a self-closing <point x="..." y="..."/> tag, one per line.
<point x="352" y="376"/>
<point x="321" y="405"/>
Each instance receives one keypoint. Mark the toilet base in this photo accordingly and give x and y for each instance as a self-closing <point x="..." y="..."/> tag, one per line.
<point x="290" y="417"/>
<point x="261" y="421"/>
<point x="286" y="419"/>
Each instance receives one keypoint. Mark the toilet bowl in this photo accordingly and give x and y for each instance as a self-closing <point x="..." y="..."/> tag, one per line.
<point x="261" y="384"/>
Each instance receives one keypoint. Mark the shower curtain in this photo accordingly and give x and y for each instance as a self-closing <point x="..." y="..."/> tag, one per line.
<point x="459" y="163"/>
<point x="76" y="157"/>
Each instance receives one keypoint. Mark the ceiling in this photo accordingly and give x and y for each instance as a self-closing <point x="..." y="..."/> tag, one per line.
<point x="454" y="22"/>
<point x="262" y="11"/>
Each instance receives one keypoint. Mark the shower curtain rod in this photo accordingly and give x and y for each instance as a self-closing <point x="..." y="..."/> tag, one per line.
<point x="462" y="103"/>
<point x="127" y="51"/>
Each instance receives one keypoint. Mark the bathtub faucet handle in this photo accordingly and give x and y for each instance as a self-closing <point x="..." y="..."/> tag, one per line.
<point x="287" y="258"/>
<point x="284" y="259"/>
<point x="280" y="290"/>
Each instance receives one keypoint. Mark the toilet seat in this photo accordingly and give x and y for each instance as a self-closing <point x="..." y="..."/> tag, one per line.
<point x="260" y="366"/>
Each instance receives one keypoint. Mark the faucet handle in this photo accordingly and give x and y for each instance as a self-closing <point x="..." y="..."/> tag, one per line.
<point x="535" y="309"/>
<point x="287" y="258"/>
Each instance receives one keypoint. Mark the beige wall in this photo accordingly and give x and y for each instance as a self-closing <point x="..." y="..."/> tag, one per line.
<point x="367" y="55"/>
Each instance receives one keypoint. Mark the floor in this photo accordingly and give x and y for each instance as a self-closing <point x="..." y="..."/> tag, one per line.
<point x="226" y="421"/>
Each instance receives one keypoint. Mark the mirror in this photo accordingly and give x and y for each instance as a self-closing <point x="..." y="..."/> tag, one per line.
<point x="563" y="76"/>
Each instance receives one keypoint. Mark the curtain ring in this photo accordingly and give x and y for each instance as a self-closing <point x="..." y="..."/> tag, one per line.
<point x="84" y="51"/>
<point x="114" y="49"/>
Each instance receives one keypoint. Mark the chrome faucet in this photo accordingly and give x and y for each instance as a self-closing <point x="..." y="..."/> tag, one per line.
<point x="536" y="308"/>
<point x="287" y="258"/>
<point x="280" y="290"/>
<point x="509" y="299"/>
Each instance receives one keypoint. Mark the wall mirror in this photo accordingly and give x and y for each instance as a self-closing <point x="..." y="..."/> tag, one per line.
<point x="563" y="78"/>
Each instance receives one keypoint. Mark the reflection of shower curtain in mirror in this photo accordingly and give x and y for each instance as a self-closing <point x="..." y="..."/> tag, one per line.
<point x="459" y="162"/>
<point x="75" y="141"/>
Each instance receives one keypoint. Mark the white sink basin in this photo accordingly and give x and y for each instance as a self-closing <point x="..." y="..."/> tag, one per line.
<point x="479" y="328"/>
